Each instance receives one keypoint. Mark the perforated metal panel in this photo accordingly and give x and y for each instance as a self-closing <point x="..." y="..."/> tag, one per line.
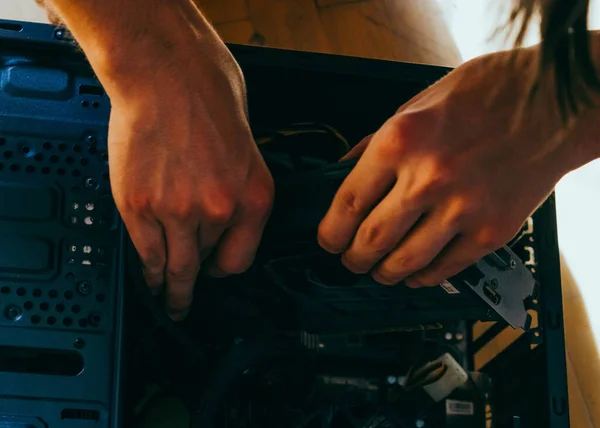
<point x="61" y="273"/>
<point x="71" y="291"/>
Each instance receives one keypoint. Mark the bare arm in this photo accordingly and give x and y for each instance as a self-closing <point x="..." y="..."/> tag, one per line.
<point x="186" y="175"/>
<point x="585" y="136"/>
<point x="453" y="175"/>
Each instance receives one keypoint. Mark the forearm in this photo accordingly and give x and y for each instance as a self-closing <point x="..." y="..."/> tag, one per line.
<point x="584" y="138"/>
<point x="119" y="35"/>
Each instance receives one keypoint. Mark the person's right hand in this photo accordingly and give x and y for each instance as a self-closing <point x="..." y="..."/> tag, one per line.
<point x="186" y="174"/>
<point x="454" y="173"/>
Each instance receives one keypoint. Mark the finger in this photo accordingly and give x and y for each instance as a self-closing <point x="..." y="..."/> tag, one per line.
<point x="208" y="238"/>
<point x="365" y="186"/>
<point x="149" y="241"/>
<point x="183" y="264"/>
<point x="381" y="232"/>
<point x="237" y="249"/>
<point x="357" y="150"/>
<point x="417" y="250"/>
<point x="456" y="257"/>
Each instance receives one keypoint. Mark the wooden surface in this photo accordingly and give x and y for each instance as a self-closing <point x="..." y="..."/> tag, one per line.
<point x="583" y="360"/>
<point x="403" y="30"/>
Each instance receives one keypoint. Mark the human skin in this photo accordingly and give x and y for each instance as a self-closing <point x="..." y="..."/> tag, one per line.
<point x="187" y="176"/>
<point x="454" y="174"/>
<point x="451" y="177"/>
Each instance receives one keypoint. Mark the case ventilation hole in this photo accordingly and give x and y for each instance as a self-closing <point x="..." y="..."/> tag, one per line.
<point x="53" y="313"/>
<point x="62" y="157"/>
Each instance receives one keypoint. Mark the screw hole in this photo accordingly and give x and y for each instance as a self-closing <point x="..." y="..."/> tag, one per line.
<point x="76" y="309"/>
<point x="68" y="295"/>
<point x="8" y="154"/>
<point x="25" y="150"/>
<point x="79" y="343"/>
<point x="53" y="294"/>
<point x="2" y="141"/>
<point x="39" y="157"/>
<point x="5" y="290"/>
<point x="67" y="322"/>
<point x="28" y="306"/>
<point x="37" y="292"/>
<point x="62" y="147"/>
<point x="60" y="171"/>
<point x="85" y="104"/>
<point x="69" y="160"/>
<point x="84" y="161"/>
<point x="54" y="159"/>
<point x="96" y="319"/>
<point x="47" y="145"/>
<point x="44" y="306"/>
<point x="45" y="170"/>
<point x="95" y="104"/>
<point x="30" y="169"/>
<point x="51" y="320"/>
<point x="21" y="291"/>
<point x="60" y="307"/>
<point x="77" y="148"/>
<point x="76" y="173"/>
<point x="14" y="167"/>
<point x="35" y="319"/>
<point x="83" y="322"/>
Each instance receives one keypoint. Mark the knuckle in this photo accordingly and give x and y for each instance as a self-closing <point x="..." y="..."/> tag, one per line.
<point x="183" y="271"/>
<point x="489" y="238"/>
<point x="434" y="180"/>
<point x="183" y="210"/>
<point x="153" y="260"/>
<point x="405" y="128"/>
<point x="135" y="202"/>
<point x="405" y="263"/>
<point x="261" y="201"/>
<point x="375" y="238"/>
<point x="349" y="202"/>
<point x="219" y="210"/>
<point x="460" y="211"/>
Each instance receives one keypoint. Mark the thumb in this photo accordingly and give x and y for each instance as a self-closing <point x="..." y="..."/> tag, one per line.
<point x="357" y="150"/>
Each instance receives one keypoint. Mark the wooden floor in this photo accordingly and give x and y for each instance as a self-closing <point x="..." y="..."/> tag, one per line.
<point x="404" y="30"/>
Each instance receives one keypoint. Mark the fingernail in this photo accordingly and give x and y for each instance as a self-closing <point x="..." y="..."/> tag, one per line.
<point x="179" y="316"/>
<point x="217" y="272"/>
<point x="412" y="283"/>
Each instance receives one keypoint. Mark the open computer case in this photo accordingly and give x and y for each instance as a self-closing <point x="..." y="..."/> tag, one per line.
<point x="299" y="348"/>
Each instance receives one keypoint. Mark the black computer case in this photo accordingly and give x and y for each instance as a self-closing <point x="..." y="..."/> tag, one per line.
<point x="63" y="270"/>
